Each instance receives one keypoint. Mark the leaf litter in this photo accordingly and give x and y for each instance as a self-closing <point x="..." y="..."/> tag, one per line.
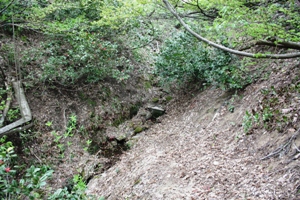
<point x="200" y="151"/>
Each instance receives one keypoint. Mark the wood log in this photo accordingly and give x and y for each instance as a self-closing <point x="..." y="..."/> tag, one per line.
<point x="24" y="109"/>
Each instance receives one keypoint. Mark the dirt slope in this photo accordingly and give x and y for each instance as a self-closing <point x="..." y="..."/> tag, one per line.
<point x="200" y="151"/>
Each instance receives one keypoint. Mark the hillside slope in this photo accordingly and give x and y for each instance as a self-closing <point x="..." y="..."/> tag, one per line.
<point x="200" y="151"/>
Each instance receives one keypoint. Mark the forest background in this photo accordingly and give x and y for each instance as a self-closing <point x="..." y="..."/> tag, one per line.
<point x="168" y="44"/>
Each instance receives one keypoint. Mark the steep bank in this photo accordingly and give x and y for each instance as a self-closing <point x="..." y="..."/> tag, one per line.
<point x="200" y="151"/>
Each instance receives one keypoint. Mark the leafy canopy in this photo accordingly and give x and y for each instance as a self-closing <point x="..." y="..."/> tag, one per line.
<point x="183" y="59"/>
<point x="71" y="16"/>
<point x="244" y="20"/>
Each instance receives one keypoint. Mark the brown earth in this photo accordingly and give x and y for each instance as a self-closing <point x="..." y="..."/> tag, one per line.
<point x="200" y="150"/>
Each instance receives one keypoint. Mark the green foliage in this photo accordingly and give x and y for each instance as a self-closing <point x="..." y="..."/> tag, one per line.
<point x="30" y="185"/>
<point x="138" y="129"/>
<point x="276" y="111"/>
<point x="183" y="58"/>
<point x="85" y="40"/>
<point x="71" y="126"/>
<point x="275" y="21"/>
<point x="16" y="10"/>
<point x="63" y="16"/>
<point x="13" y="114"/>
<point x="247" y="122"/>
<point x="49" y="123"/>
<point x="75" y="191"/>
<point x="86" y="56"/>
<point x="17" y="185"/>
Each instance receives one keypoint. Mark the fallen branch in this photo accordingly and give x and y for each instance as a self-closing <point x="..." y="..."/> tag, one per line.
<point x="24" y="109"/>
<point x="18" y="129"/>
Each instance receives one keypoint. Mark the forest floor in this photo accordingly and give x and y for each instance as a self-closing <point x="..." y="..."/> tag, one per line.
<point x="200" y="150"/>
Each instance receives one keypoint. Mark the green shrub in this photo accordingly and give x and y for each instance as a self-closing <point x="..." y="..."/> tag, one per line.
<point x="16" y="184"/>
<point x="75" y="190"/>
<point x="183" y="58"/>
<point x="86" y="56"/>
<point x="29" y="185"/>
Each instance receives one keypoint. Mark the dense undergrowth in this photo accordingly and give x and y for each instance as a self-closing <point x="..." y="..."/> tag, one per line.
<point x="184" y="59"/>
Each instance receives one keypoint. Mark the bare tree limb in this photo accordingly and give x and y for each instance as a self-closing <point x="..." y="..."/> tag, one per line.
<point x="286" y="45"/>
<point x="200" y="9"/>
<point x="292" y="45"/>
<point x="241" y="53"/>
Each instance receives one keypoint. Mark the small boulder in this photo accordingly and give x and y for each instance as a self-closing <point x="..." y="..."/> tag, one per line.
<point x="155" y="112"/>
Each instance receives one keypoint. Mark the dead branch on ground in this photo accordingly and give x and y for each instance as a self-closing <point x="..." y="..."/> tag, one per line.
<point x="24" y="109"/>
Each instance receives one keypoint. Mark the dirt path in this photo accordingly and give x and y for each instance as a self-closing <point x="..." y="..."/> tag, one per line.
<point x="199" y="151"/>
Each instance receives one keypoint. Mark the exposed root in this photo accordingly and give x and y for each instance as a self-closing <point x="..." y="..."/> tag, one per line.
<point x="284" y="148"/>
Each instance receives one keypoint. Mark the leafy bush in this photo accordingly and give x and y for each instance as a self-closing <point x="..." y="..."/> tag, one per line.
<point x="85" y="56"/>
<point x="75" y="190"/>
<point x="29" y="185"/>
<point x="183" y="58"/>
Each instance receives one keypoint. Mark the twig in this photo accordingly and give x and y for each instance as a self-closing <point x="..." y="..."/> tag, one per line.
<point x="65" y="120"/>
<point x="277" y="171"/>
<point x="296" y="147"/>
<point x="35" y="155"/>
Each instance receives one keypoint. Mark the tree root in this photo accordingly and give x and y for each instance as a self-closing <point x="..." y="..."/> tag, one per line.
<point x="284" y="148"/>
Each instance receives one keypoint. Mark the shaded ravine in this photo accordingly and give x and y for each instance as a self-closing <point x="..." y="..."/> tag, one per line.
<point x="198" y="151"/>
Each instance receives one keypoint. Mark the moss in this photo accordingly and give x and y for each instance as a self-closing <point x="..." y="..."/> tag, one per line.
<point x="138" y="129"/>
<point x="91" y="102"/>
<point x="129" y="144"/>
<point x="169" y="98"/>
<point x="118" y="121"/>
<point x="82" y="96"/>
<point x="155" y="100"/>
<point x="147" y="85"/>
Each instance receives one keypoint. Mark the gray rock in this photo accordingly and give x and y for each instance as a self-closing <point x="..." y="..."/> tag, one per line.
<point x="155" y="112"/>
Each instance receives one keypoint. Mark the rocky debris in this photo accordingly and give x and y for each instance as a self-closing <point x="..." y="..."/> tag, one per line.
<point x="137" y="124"/>
<point x="154" y="112"/>
<point x="122" y="132"/>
